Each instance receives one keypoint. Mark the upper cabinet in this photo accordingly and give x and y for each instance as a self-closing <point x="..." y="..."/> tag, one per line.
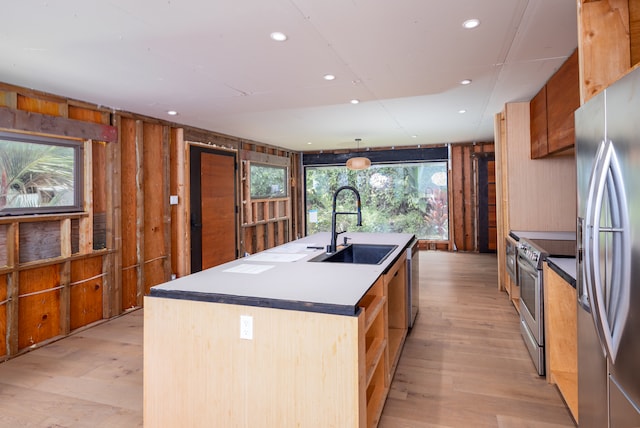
<point x="538" y="119"/>
<point x="608" y="41"/>
<point x="552" y="109"/>
<point x="563" y="99"/>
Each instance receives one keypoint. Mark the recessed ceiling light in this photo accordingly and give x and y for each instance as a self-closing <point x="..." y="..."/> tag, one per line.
<point x="309" y="142"/>
<point x="465" y="81"/>
<point x="278" y="36"/>
<point x="463" y="111"/>
<point x="329" y="77"/>
<point x="172" y="113"/>
<point x="354" y="101"/>
<point x="414" y="136"/>
<point x="471" y="23"/>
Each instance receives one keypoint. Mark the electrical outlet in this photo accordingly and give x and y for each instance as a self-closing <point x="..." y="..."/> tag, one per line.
<point x="246" y="327"/>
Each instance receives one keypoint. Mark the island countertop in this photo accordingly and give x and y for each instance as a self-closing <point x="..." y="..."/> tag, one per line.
<point x="283" y="277"/>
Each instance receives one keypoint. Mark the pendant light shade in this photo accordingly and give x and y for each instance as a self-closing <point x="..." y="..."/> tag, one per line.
<point x="358" y="162"/>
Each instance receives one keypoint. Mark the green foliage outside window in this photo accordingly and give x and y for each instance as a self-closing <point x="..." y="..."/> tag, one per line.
<point x="35" y="176"/>
<point x="268" y="181"/>
<point x="406" y="198"/>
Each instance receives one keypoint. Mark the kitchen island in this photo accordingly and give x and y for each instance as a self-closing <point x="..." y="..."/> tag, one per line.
<point x="561" y="328"/>
<point x="275" y="339"/>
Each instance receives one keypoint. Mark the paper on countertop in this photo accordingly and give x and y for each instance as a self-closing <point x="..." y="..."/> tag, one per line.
<point x="249" y="268"/>
<point x="276" y="257"/>
<point x="291" y="248"/>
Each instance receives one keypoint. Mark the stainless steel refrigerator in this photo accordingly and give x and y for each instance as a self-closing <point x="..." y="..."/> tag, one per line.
<point x="608" y="283"/>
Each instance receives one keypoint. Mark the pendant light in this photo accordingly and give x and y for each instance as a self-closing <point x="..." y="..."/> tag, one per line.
<point x="358" y="162"/>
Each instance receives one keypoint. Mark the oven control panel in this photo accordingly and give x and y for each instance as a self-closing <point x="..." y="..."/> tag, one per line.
<point x="537" y="250"/>
<point x="527" y="250"/>
<point x="531" y="252"/>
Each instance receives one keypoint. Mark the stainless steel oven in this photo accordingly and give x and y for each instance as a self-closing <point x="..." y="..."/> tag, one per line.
<point x="531" y="256"/>
<point x="530" y="280"/>
<point x="511" y="253"/>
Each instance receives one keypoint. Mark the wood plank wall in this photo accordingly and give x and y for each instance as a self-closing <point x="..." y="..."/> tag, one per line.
<point x="130" y="251"/>
<point x="463" y="195"/>
<point x="267" y="222"/>
<point x="156" y="223"/>
<point x="3" y="312"/>
<point x="178" y="217"/>
<point x="276" y="222"/>
<point x="99" y="172"/>
<point x="99" y="263"/>
<point x="146" y="260"/>
<point x="86" y="292"/>
<point x="51" y="266"/>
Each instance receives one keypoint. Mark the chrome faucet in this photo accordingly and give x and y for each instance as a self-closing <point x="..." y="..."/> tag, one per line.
<point x="334" y="235"/>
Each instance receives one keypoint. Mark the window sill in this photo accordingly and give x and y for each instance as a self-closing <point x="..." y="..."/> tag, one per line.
<point x="33" y="218"/>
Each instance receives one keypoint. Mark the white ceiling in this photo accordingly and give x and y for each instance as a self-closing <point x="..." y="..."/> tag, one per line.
<point x="214" y="62"/>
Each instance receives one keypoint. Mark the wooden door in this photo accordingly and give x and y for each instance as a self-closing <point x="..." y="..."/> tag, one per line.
<point x="487" y="225"/>
<point x="213" y="207"/>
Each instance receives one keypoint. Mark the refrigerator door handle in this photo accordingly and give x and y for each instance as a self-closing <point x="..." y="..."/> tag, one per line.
<point x="607" y="196"/>
<point x="583" y="294"/>
<point x="590" y="254"/>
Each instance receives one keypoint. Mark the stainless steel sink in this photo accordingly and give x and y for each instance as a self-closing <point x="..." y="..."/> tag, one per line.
<point x="368" y="254"/>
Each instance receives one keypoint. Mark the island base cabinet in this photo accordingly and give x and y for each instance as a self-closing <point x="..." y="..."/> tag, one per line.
<point x="299" y="369"/>
<point x="561" y="336"/>
<point x="374" y="306"/>
<point x="376" y="396"/>
<point x="396" y="291"/>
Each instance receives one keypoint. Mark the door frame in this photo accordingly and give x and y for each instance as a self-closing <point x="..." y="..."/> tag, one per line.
<point x="193" y="175"/>
<point x="482" y="203"/>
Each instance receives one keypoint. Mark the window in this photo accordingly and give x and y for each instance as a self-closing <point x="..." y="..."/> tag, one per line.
<point x="39" y="175"/>
<point x="268" y="181"/>
<point x="406" y="198"/>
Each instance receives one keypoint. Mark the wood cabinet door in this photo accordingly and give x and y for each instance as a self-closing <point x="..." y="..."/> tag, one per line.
<point x="563" y="99"/>
<point x="538" y="118"/>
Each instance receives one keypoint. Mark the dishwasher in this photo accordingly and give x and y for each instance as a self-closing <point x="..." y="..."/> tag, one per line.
<point x="413" y="282"/>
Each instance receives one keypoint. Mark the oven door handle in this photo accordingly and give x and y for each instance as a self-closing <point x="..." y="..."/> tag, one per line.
<point x="526" y="265"/>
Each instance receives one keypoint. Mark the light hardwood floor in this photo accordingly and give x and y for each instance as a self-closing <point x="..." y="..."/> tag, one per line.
<point x="90" y="379"/>
<point x="464" y="365"/>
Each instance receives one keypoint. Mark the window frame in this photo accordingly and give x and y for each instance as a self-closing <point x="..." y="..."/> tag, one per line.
<point x="379" y="158"/>
<point x="258" y="164"/>
<point x="78" y="173"/>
